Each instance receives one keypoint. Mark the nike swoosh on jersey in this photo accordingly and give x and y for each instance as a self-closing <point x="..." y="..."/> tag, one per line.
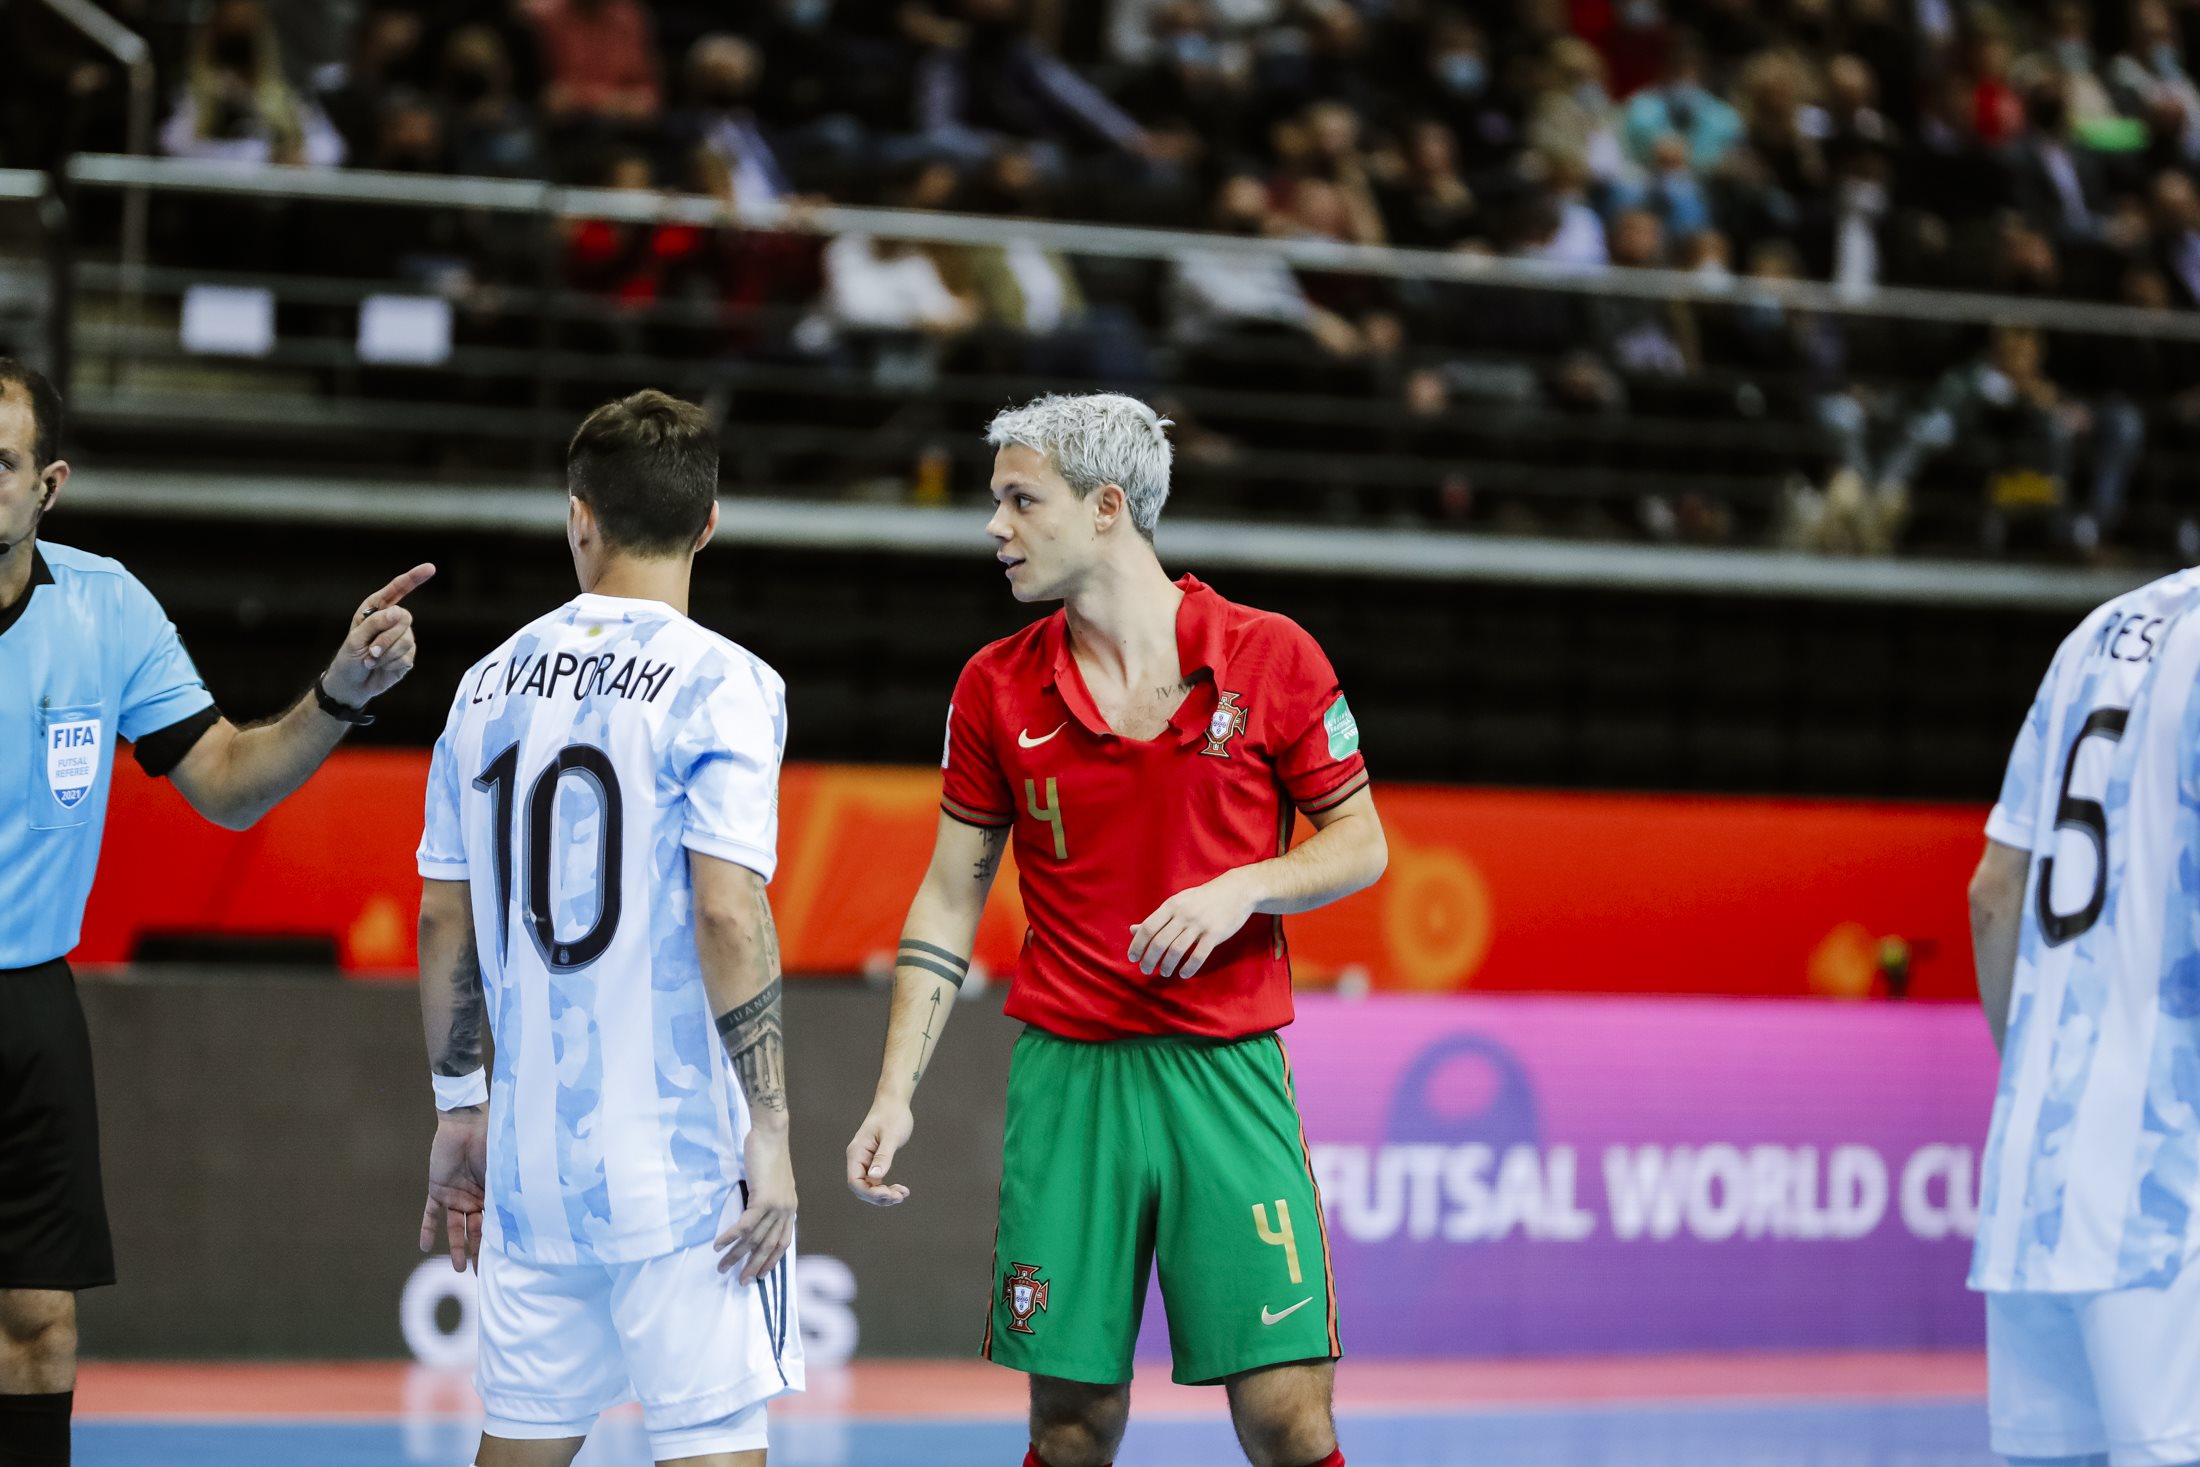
<point x="1023" y="736"/>
<point x="1267" y="1318"/>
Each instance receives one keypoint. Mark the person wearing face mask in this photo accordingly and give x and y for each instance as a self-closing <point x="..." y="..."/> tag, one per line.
<point x="236" y="106"/>
<point x="1458" y="85"/>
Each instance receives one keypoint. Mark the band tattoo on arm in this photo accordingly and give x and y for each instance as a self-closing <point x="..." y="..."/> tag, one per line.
<point x="755" y="1040"/>
<point x="937" y="961"/>
<point x="462" y="1045"/>
<point x="989" y="860"/>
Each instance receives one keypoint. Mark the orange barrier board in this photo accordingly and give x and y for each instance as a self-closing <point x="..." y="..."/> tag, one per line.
<point x="1487" y="889"/>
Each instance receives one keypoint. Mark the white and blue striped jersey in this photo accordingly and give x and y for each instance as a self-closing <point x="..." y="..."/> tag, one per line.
<point x="582" y="762"/>
<point x="2092" y="1167"/>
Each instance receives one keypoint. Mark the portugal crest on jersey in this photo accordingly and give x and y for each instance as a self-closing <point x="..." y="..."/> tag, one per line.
<point x="1025" y="1294"/>
<point x="1226" y="724"/>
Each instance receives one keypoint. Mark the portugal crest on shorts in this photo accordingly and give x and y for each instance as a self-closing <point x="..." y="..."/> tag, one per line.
<point x="1226" y="724"/>
<point x="1025" y="1294"/>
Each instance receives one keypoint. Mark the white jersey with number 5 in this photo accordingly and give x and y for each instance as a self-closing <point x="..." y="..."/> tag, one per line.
<point x="2091" y="1175"/>
<point x="582" y="761"/>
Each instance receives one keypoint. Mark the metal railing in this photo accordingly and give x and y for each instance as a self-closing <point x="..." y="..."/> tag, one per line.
<point x="130" y="52"/>
<point x="518" y="384"/>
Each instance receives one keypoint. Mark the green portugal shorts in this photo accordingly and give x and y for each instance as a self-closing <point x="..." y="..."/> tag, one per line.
<point x="1186" y="1152"/>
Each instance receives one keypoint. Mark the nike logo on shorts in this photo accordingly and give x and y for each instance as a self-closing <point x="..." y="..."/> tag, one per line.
<point x="1023" y="736"/>
<point x="1267" y="1318"/>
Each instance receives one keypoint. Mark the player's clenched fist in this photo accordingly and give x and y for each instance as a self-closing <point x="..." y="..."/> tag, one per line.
<point x="1185" y="930"/>
<point x="379" y="650"/>
<point x="883" y="1133"/>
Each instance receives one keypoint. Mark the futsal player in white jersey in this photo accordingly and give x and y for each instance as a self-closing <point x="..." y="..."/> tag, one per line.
<point x="602" y="818"/>
<point x="2085" y="917"/>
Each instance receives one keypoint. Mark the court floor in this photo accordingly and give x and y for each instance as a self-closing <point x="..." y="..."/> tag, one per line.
<point x="1846" y="1410"/>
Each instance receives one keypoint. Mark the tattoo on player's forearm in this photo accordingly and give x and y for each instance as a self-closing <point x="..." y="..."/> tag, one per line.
<point x="462" y="1045"/>
<point x="770" y="931"/>
<point x="755" y="1041"/>
<point x="937" y="961"/>
<point x="924" y="1046"/>
<point x="989" y="860"/>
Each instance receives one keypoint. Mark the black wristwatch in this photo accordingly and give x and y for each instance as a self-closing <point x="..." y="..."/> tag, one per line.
<point x="342" y="712"/>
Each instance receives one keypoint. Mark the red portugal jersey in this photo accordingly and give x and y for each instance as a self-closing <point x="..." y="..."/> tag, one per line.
<point x="1108" y="828"/>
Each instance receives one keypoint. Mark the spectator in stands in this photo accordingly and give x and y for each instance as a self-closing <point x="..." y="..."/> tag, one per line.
<point x="1557" y="223"/>
<point x="1225" y="293"/>
<point x="895" y="287"/>
<point x="410" y="138"/>
<point x="1136" y="36"/>
<point x="387" y="56"/>
<point x="235" y="105"/>
<point x="1457" y="83"/>
<point x="1197" y="91"/>
<point x="1997" y="108"/>
<point x="514" y="28"/>
<point x="1680" y="105"/>
<point x="2029" y="429"/>
<point x="1669" y="191"/>
<point x="720" y="121"/>
<point x="492" y="131"/>
<point x="599" y="66"/>
<point x="633" y="264"/>
<point x="1854" y="125"/>
<point x="995" y="84"/>
<point x="2066" y="58"/>
<point x="1425" y="202"/>
<point x="1037" y="315"/>
<point x="2149" y="79"/>
<point x="1783" y="169"/>
<point x="2058" y="187"/>
<point x="2175" y="220"/>
<point x="1347" y="209"/>
<point x="1573" y="117"/>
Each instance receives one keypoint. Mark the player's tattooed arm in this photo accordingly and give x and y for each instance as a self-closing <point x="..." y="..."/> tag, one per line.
<point x="461" y="1051"/>
<point x="453" y="1004"/>
<point x="755" y="1039"/>
<point x="738" y="945"/>
<point x="988" y="863"/>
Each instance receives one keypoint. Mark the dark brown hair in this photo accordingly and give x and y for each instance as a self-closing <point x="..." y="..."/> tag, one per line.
<point x="45" y="408"/>
<point x="647" y="465"/>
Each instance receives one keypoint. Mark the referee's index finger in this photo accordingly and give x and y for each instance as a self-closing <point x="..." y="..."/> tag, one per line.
<point x="398" y="589"/>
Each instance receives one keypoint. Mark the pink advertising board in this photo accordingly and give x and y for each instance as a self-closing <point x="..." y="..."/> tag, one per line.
<point x="1574" y="1175"/>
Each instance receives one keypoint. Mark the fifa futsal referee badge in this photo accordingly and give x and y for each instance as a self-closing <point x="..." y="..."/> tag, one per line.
<point x="72" y="760"/>
<point x="1226" y="724"/>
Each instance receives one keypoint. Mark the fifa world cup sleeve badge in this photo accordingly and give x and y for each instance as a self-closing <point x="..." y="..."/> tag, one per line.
<point x="1025" y="1294"/>
<point x="1227" y="722"/>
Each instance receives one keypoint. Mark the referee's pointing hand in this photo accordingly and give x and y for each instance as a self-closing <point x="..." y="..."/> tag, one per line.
<point x="380" y="649"/>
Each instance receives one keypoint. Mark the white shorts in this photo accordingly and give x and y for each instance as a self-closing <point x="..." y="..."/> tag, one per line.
<point x="2077" y="1375"/>
<point x="562" y="1343"/>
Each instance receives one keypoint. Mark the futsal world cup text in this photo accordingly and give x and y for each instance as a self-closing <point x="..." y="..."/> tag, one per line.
<point x="1474" y="1193"/>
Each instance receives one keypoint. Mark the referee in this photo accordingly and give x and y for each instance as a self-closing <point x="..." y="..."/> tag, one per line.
<point x="87" y="657"/>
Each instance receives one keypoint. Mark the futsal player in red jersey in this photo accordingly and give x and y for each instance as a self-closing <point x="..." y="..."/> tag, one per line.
<point x="1148" y="749"/>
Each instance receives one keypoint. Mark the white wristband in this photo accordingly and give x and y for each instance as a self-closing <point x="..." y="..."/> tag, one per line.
<point x="456" y="1092"/>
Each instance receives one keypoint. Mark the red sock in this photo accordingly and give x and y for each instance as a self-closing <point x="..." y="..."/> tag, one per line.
<point x="1334" y="1459"/>
<point x="1032" y="1459"/>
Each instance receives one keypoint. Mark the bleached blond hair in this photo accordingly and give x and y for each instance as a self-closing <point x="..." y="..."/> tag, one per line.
<point x="1096" y="438"/>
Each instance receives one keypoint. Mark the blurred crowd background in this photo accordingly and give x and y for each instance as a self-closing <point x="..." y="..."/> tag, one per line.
<point x="2037" y="152"/>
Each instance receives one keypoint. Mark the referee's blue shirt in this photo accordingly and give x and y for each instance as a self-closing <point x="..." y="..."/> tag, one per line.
<point x="86" y="656"/>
